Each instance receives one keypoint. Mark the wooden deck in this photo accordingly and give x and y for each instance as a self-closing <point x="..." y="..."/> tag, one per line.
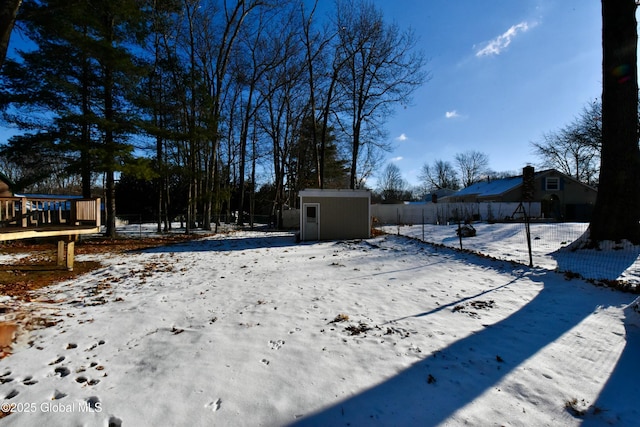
<point x="66" y="219"/>
<point x="52" y="231"/>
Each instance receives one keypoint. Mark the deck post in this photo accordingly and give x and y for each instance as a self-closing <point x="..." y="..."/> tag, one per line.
<point x="23" y="213"/>
<point x="70" y="253"/>
<point x="66" y="252"/>
<point x="60" y="253"/>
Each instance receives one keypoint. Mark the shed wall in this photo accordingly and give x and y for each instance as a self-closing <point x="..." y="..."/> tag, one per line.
<point x="342" y="217"/>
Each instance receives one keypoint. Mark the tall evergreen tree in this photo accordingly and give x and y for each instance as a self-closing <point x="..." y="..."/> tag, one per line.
<point x="79" y="78"/>
<point x="8" y="12"/>
<point x="305" y="165"/>
<point x="56" y="83"/>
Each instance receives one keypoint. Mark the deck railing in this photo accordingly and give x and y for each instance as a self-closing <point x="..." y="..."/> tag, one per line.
<point x="36" y="212"/>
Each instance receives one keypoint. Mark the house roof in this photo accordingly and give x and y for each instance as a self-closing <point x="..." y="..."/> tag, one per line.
<point x="490" y="188"/>
<point x="500" y="186"/>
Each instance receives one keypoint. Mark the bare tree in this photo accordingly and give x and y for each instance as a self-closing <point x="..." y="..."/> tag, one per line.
<point x="617" y="209"/>
<point x="575" y="149"/>
<point x="314" y="45"/>
<point x="255" y="61"/>
<point x="473" y="166"/>
<point x="381" y="69"/>
<point x="391" y="184"/>
<point x="440" y="175"/>
<point x="207" y="35"/>
<point x="285" y="94"/>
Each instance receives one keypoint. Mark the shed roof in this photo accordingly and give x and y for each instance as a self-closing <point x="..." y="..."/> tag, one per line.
<point x="316" y="192"/>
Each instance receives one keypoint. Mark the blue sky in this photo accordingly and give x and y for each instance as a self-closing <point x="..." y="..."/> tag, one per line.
<point x="503" y="72"/>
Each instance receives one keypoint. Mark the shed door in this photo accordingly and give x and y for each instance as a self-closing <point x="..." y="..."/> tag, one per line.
<point x="311" y="221"/>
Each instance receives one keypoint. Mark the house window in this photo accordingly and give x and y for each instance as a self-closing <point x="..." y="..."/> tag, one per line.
<point x="553" y="184"/>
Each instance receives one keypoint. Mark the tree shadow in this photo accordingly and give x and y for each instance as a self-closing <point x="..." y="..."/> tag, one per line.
<point x="430" y="391"/>
<point x="458" y="302"/>
<point x="623" y="386"/>
<point x="597" y="264"/>
<point x="227" y="243"/>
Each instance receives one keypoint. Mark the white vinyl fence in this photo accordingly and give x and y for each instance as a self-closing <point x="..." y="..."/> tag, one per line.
<point x="441" y="213"/>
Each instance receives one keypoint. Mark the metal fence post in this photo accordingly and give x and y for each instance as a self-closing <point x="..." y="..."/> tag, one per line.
<point x="528" y="231"/>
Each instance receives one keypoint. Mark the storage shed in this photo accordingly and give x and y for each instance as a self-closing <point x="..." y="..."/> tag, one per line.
<point x="335" y="214"/>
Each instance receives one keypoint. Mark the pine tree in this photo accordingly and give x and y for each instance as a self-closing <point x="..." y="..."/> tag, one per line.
<point x="8" y="11"/>
<point x="305" y="160"/>
<point x="79" y="79"/>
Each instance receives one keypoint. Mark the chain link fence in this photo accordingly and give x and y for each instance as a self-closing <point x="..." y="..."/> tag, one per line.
<point x="536" y="243"/>
<point x="136" y="225"/>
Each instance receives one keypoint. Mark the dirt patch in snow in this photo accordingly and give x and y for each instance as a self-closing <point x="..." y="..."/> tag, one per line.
<point x="37" y="268"/>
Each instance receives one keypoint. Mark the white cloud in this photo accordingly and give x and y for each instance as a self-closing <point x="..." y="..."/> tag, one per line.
<point x="402" y="137"/>
<point x="396" y="159"/>
<point x="451" y="114"/>
<point x="497" y="45"/>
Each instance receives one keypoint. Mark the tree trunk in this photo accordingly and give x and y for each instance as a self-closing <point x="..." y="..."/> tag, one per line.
<point x="244" y="136"/>
<point x="617" y="209"/>
<point x="110" y="153"/>
<point x="85" y="149"/>
<point x="8" y="12"/>
<point x="111" y="204"/>
<point x="109" y="137"/>
<point x="252" y="196"/>
<point x="355" y="152"/>
<point x="325" y="125"/>
<point x="159" y="180"/>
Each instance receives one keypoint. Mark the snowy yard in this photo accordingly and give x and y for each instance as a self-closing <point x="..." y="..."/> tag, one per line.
<point x="252" y="329"/>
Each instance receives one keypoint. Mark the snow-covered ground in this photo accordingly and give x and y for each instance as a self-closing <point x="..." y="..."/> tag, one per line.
<point x="249" y="329"/>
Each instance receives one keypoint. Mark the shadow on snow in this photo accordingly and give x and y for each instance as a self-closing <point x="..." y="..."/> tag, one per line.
<point x="225" y="243"/>
<point x="430" y="391"/>
<point x="623" y="386"/>
<point x="595" y="264"/>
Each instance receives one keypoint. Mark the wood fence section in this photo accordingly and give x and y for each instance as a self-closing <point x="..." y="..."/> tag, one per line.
<point x="86" y="211"/>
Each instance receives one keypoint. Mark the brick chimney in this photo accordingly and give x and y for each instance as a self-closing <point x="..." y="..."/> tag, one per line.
<point x="528" y="186"/>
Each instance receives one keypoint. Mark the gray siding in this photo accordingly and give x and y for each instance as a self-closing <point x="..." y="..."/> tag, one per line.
<point x="342" y="217"/>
